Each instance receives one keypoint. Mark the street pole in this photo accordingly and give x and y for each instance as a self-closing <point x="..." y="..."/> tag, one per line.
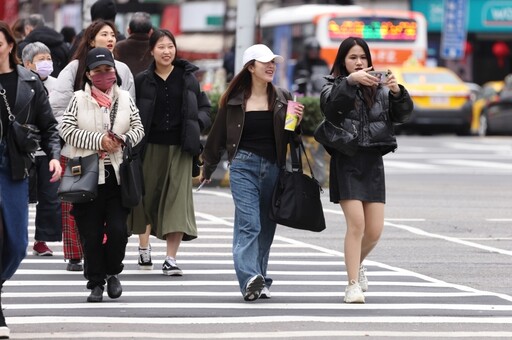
<point x="245" y="23"/>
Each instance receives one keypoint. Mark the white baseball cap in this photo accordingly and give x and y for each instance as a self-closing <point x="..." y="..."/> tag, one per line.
<point x="261" y="53"/>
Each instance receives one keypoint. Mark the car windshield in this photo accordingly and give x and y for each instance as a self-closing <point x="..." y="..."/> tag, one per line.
<point x="430" y="78"/>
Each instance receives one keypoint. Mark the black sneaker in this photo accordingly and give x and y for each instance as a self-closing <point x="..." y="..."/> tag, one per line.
<point x="4" y="330"/>
<point x="74" y="266"/>
<point x="96" y="294"/>
<point x="170" y="269"/>
<point x="145" y="259"/>
<point x="254" y="287"/>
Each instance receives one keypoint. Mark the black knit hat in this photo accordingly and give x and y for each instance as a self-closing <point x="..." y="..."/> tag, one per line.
<point x="104" y="9"/>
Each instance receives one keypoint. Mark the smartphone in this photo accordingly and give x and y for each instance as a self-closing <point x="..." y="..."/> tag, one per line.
<point x="382" y="75"/>
<point x="200" y="186"/>
<point x="115" y="136"/>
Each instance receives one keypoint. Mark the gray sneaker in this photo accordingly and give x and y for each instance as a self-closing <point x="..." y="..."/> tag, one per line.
<point x="254" y="287"/>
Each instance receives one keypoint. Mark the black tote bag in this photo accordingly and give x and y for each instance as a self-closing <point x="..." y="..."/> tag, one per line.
<point x="296" y="198"/>
<point x="132" y="182"/>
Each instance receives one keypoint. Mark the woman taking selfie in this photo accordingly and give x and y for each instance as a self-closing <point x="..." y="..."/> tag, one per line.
<point x="357" y="182"/>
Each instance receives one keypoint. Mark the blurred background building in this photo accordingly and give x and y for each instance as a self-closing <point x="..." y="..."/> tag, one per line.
<point x="205" y="30"/>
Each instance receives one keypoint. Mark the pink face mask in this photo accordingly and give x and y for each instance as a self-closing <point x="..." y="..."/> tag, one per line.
<point x="104" y="80"/>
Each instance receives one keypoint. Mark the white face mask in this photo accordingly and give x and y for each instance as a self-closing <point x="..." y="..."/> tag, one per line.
<point x="44" y="68"/>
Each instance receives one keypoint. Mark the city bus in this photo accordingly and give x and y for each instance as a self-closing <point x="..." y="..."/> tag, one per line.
<point x="396" y="37"/>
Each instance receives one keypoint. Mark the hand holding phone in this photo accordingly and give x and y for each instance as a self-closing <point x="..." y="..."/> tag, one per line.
<point x="115" y="136"/>
<point x="382" y="75"/>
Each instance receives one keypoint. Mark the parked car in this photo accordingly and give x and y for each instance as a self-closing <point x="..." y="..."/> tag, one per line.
<point x="442" y="101"/>
<point x="496" y="116"/>
<point x="489" y="93"/>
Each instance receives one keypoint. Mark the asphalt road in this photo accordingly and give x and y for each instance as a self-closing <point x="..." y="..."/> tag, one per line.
<point x="441" y="270"/>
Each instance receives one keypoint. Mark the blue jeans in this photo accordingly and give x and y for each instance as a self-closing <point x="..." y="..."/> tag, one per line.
<point x="14" y="205"/>
<point x="252" y="179"/>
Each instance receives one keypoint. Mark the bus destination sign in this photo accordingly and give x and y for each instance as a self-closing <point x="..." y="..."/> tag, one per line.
<point x="373" y="29"/>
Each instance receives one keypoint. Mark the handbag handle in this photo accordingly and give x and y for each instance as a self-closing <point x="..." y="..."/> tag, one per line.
<point x="297" y="157"/>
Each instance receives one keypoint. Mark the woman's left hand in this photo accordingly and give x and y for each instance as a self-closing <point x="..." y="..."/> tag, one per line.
<point x="299" y="111"/>
<point x="392" y="84"/>
<point x="54" y="167"/>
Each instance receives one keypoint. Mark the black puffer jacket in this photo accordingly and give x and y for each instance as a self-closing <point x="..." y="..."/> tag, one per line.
<point x="32" y="107"/>
<point x="55" y="42"/>
<point x="196" y="106"/>
<point x="342" y="103"/>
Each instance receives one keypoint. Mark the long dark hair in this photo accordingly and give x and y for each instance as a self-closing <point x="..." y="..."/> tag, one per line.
<point x="9" y="36"/>
<point x="241" y="83"/>
<point x="339" y="68"/>
<point x="85" y="46"/>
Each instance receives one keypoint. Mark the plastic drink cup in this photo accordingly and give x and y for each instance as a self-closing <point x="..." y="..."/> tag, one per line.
<point x="291" y="118"/>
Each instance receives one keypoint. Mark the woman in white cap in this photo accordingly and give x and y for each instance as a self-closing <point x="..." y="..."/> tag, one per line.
<point x="99" y="119"/>
<point x="250" y="127"/>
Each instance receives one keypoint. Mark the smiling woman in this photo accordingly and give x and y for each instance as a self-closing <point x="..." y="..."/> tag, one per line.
<point x="249" y="125"/>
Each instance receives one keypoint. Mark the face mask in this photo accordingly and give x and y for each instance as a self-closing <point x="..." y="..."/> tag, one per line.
<point x="104" y="80"/>
<point x="44" y="68"/>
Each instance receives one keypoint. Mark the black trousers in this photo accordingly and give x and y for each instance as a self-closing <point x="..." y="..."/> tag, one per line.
<point x="48" y="212"/>
<point x="104" y="215"/>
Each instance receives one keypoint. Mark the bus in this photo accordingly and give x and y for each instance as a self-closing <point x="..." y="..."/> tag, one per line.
<point x="395" y="37"/>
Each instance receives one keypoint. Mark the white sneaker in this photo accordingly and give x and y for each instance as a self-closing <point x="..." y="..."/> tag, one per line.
<point x="265" y="293"/>
<point x="362" y="279"/>
<point x="354" y="293"/>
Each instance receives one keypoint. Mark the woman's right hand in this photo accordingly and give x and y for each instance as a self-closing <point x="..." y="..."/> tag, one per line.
<point x="362" y="77"/>
<point x="110" y="145"/>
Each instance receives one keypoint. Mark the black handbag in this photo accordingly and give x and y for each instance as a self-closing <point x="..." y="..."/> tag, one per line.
<point x="296" y="198"/>
<point x="26" y="136"/>
<point x="132" y="182"/>
<point x="337" y="137"/>
<point x="79" y="184"/>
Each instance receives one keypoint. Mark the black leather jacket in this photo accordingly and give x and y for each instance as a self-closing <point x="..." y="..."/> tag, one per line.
<point x="32" y="107"/>
<point x="342" y="103"/>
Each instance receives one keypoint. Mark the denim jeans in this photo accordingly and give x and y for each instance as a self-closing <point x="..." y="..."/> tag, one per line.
<point x="14" y="205"/>
<point x="252" y="180"/>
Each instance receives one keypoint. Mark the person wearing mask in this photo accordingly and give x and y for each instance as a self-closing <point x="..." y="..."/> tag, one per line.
<point x="36" y="31"/>
<point x="357" y="183"/>
<point x="250" y="127"/>
<point x="23" y="99"/>
<point x="309" y="72"/>
<point x="100" y="33"/>
<point x="37" y="58"/>
<point x="134" y="50"/>
<point x="101" y="100"/>
<point x="174" y="111"/>
<point x="100" y="10"/>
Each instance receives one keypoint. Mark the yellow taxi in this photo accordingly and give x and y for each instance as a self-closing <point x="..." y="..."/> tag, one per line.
<point x="442" y="101"/>
<point x="489" y="93"/>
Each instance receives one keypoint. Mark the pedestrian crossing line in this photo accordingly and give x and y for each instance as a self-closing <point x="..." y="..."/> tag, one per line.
<point x="470" y="163"/>
<point x="128" y="272"/>
<point x="259" y="305"/>
<point x="182" y="282"/>
<point x="296" y="294"/>
<point x="157" y="293"/>
<point x="322" y="334"/>
<point x="260" y="320"/>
